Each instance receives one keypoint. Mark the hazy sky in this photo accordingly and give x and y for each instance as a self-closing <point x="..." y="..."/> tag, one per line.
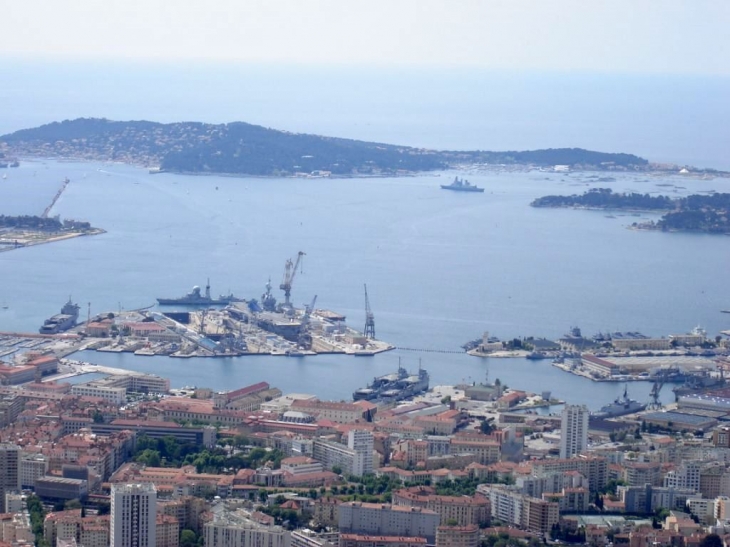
<point x="667" y="36"/>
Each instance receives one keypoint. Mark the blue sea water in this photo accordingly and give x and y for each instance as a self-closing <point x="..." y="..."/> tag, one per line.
<point x="441" y="267"/>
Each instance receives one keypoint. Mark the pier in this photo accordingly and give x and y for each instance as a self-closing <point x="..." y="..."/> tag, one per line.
<point x="47" y="210"/>
<point x="423" y="350"/>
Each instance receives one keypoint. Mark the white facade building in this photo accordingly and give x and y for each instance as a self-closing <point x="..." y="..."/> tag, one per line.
<point x="387" y="520"/>
<point x="686" y="476"/>
<point x="31" y="467"/>
<point x="133" y="515"/>
<point x="574" y="430"/>
<point x="361" y="441"/>
<point x="236" y="529"/>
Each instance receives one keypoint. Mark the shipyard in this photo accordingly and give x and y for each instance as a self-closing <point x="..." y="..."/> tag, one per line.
<point x="199" y="325"/>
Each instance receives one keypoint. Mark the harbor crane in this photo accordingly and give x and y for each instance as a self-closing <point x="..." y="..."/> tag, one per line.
<point x="290" y="271"/>
<point x="305" y="337"/>
<point x="201" y="328"/>
<point x="656" y="389"/>
<point x="369" y="317"/>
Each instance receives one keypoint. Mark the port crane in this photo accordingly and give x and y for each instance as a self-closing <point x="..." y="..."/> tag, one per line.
<point x="203" y="316"/>
<point x="290" y="271"/>
<point x="305" y="338"/>
<point x="369" y="317"/>
<point x="656" y="389"/>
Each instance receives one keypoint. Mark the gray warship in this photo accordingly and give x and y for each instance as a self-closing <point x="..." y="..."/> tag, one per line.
<point x="61" y="321"/>
<point x="195" y="298"/>
<point x="620" y="407"/>
<point x="394" y="387"/>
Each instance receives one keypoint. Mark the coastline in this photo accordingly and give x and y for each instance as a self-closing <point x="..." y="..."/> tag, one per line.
<point x="153" y="167"/>
<point x="31" y="238"/>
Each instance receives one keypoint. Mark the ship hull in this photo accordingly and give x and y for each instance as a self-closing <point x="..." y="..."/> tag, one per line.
<point x="615" y="410"/>
<point x="190" y="302"/>
<point x="461" y="189"/>
<point x="394" y="387"/>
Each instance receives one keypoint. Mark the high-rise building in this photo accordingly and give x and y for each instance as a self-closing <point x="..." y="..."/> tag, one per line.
<point x="574" y="430"/>
<point x="361" y="441"/>
<point x="9" y="479"/>
<point x="133" y="515"/>
<point x="354" y="458"/>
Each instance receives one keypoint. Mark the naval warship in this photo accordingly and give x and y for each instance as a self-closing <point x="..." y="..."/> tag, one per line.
<point x="195" y="298"/>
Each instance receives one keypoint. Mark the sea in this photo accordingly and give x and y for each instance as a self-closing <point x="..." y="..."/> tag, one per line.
<point x="441" y="267"/>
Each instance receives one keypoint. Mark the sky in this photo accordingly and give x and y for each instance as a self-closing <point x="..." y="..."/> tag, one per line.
<point x="629" y="36"/>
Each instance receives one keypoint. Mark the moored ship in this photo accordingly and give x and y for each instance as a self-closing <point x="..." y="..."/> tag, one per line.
<point x="461" y="185"/>
<point x="620" y="407"/>
<point x="195" y="298"/>
<point x="62" y="321"/>
<point x="394" y="387"/>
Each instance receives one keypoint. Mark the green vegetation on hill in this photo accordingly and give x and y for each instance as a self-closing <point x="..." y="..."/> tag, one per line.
<point x="605" y="198"/>
<point x="695" y="213"/>
<point x="241" y="148"/>
<point x="43" y="224"/>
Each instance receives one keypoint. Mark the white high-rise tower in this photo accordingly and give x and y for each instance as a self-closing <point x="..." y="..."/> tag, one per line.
<point x="361" y="441"/>
<point x="574" y="430"/>
<point x="133" y="515"/>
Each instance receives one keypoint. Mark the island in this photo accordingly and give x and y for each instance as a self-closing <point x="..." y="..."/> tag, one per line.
<point x="695" y="213"/>
<point x="244" y="149"/>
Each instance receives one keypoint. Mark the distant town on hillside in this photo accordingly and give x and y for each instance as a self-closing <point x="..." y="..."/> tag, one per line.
<point x="245" y="149"/>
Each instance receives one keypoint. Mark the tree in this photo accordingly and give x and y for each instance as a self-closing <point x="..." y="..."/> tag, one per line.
<point x="711" y="540"/>
<point x="72" y="504"/>
<point x="188" y="538"/>
<point x="599" y="501"/>
<point x="149" y="457"/>
<point x="486" y="426"/>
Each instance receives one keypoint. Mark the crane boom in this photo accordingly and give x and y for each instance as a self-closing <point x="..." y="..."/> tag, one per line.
<point x="369" y="317"/>
<point x="305" y="337"/>
<point x="290" y="271"/>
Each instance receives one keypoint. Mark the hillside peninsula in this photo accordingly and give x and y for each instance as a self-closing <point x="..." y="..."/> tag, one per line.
<point x="244" y="149"/>
<point x="695" y="213"/>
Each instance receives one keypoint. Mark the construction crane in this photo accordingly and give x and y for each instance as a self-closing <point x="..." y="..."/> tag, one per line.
<point x="305" y="338"/>
<point x="203" y="315"/>
<point x="656" y="389"/>
<point x="290" y="270"/>
<point x="369" y="317"/>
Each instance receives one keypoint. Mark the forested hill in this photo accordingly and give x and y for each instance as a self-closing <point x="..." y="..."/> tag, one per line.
<point x="241" y="148"/>
<point x="694" y="213"/>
